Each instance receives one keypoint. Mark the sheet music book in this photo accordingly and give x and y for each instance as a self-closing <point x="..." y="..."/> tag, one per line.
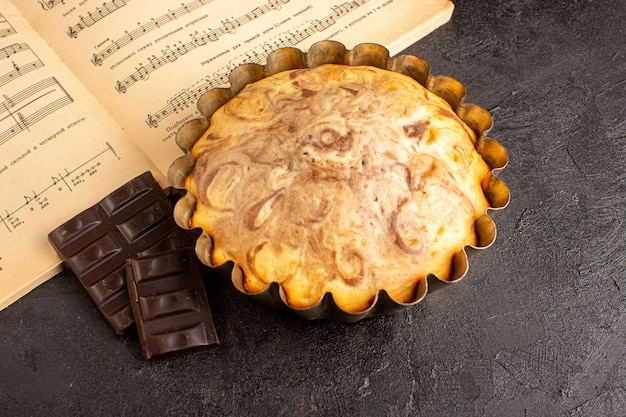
<point x="92" y="93"/>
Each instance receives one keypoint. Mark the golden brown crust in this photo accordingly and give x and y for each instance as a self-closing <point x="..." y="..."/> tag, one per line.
<point x="337" y="179"/>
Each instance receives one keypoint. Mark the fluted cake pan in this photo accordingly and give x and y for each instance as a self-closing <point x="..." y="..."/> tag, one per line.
<point x="367" y="54"/>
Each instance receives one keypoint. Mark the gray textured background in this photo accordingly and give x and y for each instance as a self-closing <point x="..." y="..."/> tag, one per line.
<point x="537" y="328"/>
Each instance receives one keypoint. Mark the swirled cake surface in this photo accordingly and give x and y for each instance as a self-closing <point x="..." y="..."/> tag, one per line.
<point x="337" y="179"/>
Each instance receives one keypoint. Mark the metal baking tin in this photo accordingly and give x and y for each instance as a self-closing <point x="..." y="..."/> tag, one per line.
<point x="331" y="52"/>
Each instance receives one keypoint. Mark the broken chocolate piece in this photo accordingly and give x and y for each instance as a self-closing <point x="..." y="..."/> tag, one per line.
<point x="134" y="220"/>
<point x="169" y="304"/>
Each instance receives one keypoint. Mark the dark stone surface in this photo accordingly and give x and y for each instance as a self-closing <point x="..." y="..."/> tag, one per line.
<point x="537" y="328"/>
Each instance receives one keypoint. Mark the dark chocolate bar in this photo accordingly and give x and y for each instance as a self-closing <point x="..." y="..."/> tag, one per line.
<point x="134" y="220"/>
<point x="169" y="304"/>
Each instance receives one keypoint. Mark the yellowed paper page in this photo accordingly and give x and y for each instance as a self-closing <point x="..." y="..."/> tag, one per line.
<point x="149" y="61"/>
<point x="146" y="62"/>
<point x="60" y="152"/>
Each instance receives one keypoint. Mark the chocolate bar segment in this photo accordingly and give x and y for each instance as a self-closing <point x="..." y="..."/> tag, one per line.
<point x="169" y="304"/>
<point x="136" y="219"/>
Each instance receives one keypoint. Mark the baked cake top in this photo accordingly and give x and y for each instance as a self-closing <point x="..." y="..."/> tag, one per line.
<point x="337" y="179"/>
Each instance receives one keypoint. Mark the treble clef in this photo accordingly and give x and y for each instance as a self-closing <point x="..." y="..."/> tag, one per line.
<point x="121" y="88"/>
<point x="152" y="121"/>
<point x="96" y="59"/>
<point x="71" y="32"/>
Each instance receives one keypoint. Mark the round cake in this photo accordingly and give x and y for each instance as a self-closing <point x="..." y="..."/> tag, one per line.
<point x="340" y="179"/>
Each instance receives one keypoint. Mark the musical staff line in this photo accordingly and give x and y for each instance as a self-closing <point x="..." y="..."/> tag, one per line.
<point x="30" y="106"/>
<point x="5" y="27"/>
<point x="143" y="29"/>
<point x="94" y="17"/>
<point x="11" y="50"/>
<point x="50" y="4"/>
<point x="27" y="61"/>
<point x="68" y="180"/>
<point x="228" y="26"/>
<point x="190" y="96"/>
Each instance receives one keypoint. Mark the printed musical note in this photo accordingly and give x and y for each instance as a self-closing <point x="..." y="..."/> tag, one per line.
<point x="228" y="27"/>
<point x="31" y="105"/>
<point x="275" y="4"/>
<point x="10" y="50"/>
<point x="145" y="28"/>
<point x="143" y="73"/>
<point x="28" y="198"/>
<point x="61" y="182"/>
<point x="5" y="27"/>
<point x="22" y="60"/>
<point x="94" y="17"/>
<point x="258" y="55"/>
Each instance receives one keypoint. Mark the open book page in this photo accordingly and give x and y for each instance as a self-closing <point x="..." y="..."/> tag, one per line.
<point x="148" y="62"/>
<point x="60" y="153"/>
